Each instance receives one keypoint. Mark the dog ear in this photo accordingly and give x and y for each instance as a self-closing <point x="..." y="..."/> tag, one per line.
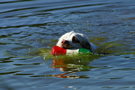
<point x="86" y="46"/>
<point x="75" y="40"/>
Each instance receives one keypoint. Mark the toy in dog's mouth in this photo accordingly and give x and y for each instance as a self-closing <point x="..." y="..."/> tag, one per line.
<point x="56" y="50"/>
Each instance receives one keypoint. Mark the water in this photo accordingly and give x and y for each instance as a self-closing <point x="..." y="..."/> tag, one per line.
<point x="29" y="26"/>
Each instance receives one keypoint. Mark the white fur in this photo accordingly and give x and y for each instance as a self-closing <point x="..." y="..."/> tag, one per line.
<point x="81" y="37"/>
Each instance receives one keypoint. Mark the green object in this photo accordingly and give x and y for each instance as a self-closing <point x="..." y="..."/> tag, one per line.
<point x="84" y="51"/>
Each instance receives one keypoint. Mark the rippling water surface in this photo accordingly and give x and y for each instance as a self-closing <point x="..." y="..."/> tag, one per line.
<point x="30" y="28"/>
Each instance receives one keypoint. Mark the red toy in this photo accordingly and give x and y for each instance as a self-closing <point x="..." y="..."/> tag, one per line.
<point x="56" y="50"/>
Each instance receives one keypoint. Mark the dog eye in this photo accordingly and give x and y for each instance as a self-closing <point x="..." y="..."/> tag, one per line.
<point x="75" y="40"/>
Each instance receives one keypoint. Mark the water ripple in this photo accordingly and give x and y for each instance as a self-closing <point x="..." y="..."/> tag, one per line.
<point x="29" y="27"/>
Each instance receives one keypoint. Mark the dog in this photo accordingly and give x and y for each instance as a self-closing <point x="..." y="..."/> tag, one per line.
<point x="73" y="40"/>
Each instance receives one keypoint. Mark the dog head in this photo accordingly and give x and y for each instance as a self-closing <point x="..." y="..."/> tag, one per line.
<point x="72" y="40"/>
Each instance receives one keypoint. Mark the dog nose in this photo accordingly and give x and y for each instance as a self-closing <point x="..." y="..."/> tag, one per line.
<point x="65" y="42"/>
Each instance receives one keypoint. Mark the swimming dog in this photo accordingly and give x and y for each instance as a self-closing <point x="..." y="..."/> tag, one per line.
<point x="73" y="40"/>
